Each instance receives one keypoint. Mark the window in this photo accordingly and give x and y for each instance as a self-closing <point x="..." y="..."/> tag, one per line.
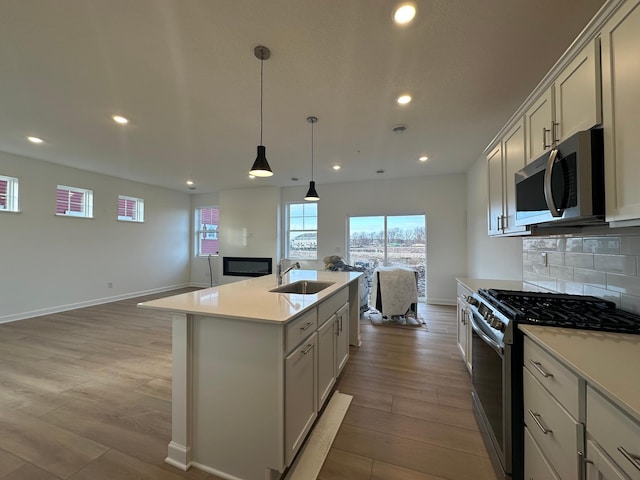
<point x="130" y="209"/>
<point x="207" y="234"/>
<point x="74" y="202"/>
<point x="8" y="194"/>
<point x="302" y="231"/>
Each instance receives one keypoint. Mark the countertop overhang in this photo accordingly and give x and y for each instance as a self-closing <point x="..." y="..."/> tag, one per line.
<point x="252" y="300"/>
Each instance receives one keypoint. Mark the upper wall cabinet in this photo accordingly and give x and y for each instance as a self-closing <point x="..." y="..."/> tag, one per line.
<point x="502" y="163"/>
<point x="572" y="103"/>
<point x="620" y="39"/>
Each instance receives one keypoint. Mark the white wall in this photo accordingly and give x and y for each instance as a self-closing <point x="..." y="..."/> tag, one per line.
<point x="441" y="198"/>
<point x="50" y="263"/>
<point x="487" y="257"/>
<point x="249" y="219"/>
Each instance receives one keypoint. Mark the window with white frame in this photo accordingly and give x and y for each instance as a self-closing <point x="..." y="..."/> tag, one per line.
<point x="8" y="194"/>
<point x="130" y="209"/>
<point x="207" y="233"/>
<point x="302" y="231"/>
<point x="74" y="202"/>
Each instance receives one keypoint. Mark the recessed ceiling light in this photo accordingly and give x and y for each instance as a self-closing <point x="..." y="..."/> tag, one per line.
<point x="423" y="158"/>
<point x="404" y="99"/>
<point x="120" y="119"/>
<point x="404" y="14"/>
<point x="336" y="167"/>
<point x="35" y="139"/>
<point x="189" y="182"/>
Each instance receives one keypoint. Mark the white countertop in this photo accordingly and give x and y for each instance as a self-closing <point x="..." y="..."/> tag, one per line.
<point x="252" y="300"/>
<point x="607" y="361"/>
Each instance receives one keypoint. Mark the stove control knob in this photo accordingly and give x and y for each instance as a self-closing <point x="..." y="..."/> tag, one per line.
<point x="472" y="301"/>
<point x="497" y="324"/>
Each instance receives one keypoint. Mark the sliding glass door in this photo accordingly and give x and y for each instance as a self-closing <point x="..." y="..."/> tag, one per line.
<point x="388" y="240"/>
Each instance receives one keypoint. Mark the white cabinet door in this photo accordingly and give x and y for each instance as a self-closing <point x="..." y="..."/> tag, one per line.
<point x="342" y="338"/>
<point x="578" y="94"/>
<point x="599" y="466"/>
<point x="326" y="359"/>
<point x="300" y="395"/>
<point x="620" y="39"/>
<point x="514" y="158"/>
<point x="538" y="119"/>
<point x="494" y="174"/>
<point x="462" y="328"/>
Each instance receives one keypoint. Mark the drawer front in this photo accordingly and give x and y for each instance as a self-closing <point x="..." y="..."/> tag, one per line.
<point x="555" y="377"/>
<point x="552" y="427"/>
<point x="615" y="432"/>
<point x="301" y="328"/>
<point x="536" y="467"/>
<point x="332" y="304"/>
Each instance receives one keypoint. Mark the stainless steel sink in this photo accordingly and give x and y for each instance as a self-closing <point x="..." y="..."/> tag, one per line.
<point x="303" y="287"/>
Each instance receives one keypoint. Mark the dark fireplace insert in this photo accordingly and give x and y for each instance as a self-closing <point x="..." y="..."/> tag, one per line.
<point x="246" y="266"/>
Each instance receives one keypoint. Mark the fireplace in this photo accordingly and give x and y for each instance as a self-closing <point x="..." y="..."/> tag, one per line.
<point x="246" y="266"/>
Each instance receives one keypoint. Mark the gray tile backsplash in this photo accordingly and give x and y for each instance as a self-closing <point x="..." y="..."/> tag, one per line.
<point x="605" y="266"/>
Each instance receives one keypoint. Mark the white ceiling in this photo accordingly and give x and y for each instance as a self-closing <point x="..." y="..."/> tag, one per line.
<point x="185" y="74"/>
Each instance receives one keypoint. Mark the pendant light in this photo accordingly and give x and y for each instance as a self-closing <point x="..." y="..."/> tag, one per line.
<point x="261" y="167"/>
<point x="312" y="195"/>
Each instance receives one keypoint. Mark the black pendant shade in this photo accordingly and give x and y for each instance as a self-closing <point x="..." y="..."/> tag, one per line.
<point x="312" y="195"/>
<point x="261" y="167"/>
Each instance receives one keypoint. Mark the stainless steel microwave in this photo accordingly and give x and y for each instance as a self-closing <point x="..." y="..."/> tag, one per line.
<point x="566" y="185"/>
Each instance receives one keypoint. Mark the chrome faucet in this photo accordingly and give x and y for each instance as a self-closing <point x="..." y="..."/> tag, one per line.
<point x="282" y="273"/>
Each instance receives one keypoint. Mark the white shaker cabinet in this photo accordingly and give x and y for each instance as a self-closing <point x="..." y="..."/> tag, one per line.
<point x="326" y="359"/>
<point x="463" y="329"/>
<point x="599" y="466"/>
<point x="620" y="39"/>
<point x="300" y="395"/>
<point x="571" y="104"/>
<point x="502" y="163"/>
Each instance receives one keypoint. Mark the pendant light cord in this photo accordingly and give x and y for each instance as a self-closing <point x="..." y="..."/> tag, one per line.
<point x="312" y="150"/>
<point x="261" y="69"/>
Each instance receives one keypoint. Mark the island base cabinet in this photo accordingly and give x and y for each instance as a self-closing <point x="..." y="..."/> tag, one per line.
<point x="300" y="395"/>
<point x="342" y="338"/>
<point x="326" y="359"/>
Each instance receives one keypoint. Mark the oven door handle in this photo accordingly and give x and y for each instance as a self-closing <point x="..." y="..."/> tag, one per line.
<point x="488" y="340"/>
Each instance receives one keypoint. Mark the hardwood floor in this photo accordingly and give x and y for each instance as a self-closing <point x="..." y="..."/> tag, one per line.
<point x="411" y="417"/>
<point x="86" y="394"/>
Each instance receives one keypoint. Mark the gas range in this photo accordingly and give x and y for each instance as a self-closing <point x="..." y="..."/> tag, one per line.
<point x="502" y="310"/>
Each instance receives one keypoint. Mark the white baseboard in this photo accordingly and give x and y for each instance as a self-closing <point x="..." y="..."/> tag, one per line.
<point x="88" y="303"/>
<point x="441" y="301"/>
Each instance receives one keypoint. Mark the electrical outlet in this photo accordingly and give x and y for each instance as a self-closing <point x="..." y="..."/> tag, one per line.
<point x="109" y="284"/>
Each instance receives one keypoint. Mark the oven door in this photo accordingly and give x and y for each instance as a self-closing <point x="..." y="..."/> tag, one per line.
<point x="491" y="373"/>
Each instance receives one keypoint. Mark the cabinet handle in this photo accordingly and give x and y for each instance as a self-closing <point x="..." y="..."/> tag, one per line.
<point x="634" y="459"/>
<point x="545" y="145"/>
<point x="309" y="347"/>
<point x="306" y="326"/>
<point x="536" y="418"/>
<point x="337" y="323"/>
<point x="542" y="371"/>
<point x="554" y="133"/>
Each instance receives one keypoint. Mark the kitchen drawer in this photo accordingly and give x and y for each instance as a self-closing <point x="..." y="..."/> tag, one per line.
<point x="332" y="304"/>
<point x="300" y="328"/>
<point x="555" y="431"/>
<point x="615" y="432"/>
<point x="536" y="467"/>
<point x="555" y="377"/>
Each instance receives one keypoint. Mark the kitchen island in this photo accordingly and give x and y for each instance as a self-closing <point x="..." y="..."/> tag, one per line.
<point x="252" y="369"/>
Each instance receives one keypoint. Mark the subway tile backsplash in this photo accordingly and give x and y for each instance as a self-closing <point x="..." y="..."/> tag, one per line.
<point x="605" y="266"/>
